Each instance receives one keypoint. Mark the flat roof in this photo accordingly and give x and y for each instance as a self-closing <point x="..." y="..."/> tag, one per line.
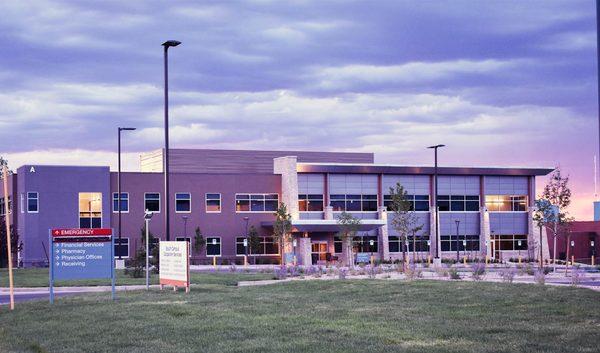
<point x="366" y="168"/>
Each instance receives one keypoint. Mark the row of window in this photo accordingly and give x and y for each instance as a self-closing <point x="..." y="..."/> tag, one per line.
<point x="183" y="202"/>
<point x="446" y="203"/>
<point x="365" y="244"/>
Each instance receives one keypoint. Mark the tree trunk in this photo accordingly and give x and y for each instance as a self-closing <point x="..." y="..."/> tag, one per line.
<point x="403" y="237"/>
<point x="414" y="248"/>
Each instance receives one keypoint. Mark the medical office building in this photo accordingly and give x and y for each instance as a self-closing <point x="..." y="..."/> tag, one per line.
<point x="223" y="192"/>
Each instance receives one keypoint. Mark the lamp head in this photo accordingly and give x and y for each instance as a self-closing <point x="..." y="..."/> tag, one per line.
<point x="436" y="146"/>
<point x="126" y="128"/>
<point x="171" y="43"/>
<point x="148" y="214"/>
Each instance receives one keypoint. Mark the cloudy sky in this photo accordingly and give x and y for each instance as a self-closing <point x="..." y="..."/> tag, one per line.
<point x="509" y="83"/>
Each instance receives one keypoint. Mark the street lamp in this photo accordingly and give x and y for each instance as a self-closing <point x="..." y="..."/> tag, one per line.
<point x="167" y="45"/>
<point x="147" y="216"/>
<point x="457" y="225"/>
<point x="435" y="196"/>
<point x="119" y="179"/>
<point x="185" y="218"/>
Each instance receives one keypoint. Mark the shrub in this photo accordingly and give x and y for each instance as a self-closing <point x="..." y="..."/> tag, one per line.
<point x="453" y="273"/>
<point x="442" y="270"/>
<point x="539" y="277"/>
<point x="477" y="271"/>
<point x="529" y="269"/>
<point x="342" y="272"/>
<point x="413" y="272"/>
<point x="508" y="274"/>
<point x="577" y="275"/>
<point x="232" y="268"/>
<point x="280" y="272"/>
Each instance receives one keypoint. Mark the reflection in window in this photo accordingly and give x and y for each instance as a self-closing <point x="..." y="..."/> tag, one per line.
<point x="506" y="203"/>
<point x="464" y="242"/>
<point x="256" y="202"/>
<point x="90" y="210"/>
<point x="310" y="202"/>
<point x="213" y="203"/>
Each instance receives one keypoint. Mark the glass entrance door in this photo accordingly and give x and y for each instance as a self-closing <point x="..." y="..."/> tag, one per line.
<point x="319" y="251"/>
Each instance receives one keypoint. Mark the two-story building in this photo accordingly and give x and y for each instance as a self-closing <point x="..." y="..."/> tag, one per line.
<point x="224" y="192"/>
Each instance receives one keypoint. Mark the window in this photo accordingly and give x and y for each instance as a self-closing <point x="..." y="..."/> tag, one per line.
<point x="213" y="246"/>
<point x="354" y="203"/>
<point x="458" y="203"/>
<point x="506" y="203"/>
<point x="152" y="202"/>
<point x="3" y="207"/>
<point x="417" y="202"/>
<point x="256" y="202"/>
<point x="510" y="241"/>
<point x="32" y="202"/>
<point x="465" y="242"/>
<point x="421" y="243"/>
<point x="90" y="210"/>
<point x="363" y="244"/>
<point x="213" y="203"/>
<point x="183" y="202"/>
<point x="124" y="202"/>
<point x="265" y="246"/>
<point x="122" y="247"/>
<point x="310" y="203"/>
<point x="337" y="245"/>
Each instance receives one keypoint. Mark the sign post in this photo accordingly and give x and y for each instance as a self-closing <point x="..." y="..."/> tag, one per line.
<point x="81" y="254"/>
<point x="174" y="264"/>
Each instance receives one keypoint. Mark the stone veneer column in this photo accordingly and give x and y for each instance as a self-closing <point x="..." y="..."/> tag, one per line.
<point x="484" y="232"/>
<point x="533" y="237"/>
<point x="304" y="251"/>
<point x="383" y="234"/>
<point x="286" y="167"/>
<point x="328" y="214"/>
<point x="432" y="241"/>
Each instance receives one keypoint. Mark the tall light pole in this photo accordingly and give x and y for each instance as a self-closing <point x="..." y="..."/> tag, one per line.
<point x="119" y="179"/>
<point x="435" y="196"/>
<point x="166" y="45"/>
<point x="185" y="219"/>
<point x="457" y="254"/>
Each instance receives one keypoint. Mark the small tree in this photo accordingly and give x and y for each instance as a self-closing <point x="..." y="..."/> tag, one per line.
<point x="253" y="242"/>
<point x="349" y="226"/>
<point x="558" y="194"/>
<point x="543" y="215"/>
<point x="282" y="227"/>
<point x="404" y="219"/>
<point x="199" y="241"/>
<point x="139" y="261"/>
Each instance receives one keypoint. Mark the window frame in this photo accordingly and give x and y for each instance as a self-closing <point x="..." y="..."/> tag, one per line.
<point x="465" y="200"/>
<point x="512" y="201"/>
<point x="37" y="201"/>
<point x="361" y="201"/>
<point x="308" y="201"/>
<point x="159" y="202"/>
<point x="412" y="199"/>
<point x="126" y="239"/>
<point x="220" y="243"/>
<point x="189" y="199"/>
<point x="206" y="199"/>
<point x="264" y="200"/>
<point x="189" y="240"/>
<point x="116" y="199"/>
<point x="90" y="211"/>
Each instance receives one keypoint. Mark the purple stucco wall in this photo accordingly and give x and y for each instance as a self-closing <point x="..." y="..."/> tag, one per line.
<point x="58" y="188"/>
<point x="228" y="224"/>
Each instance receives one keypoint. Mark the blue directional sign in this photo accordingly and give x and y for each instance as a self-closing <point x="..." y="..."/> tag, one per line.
<point x="81" y="254"/>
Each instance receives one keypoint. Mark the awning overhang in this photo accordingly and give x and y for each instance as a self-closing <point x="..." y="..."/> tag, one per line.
<point x="328" y="225"/>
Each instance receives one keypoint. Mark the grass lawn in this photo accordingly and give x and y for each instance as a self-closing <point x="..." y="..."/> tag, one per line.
<point x="314" y="316"/>
<point x="38" y="277"/>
